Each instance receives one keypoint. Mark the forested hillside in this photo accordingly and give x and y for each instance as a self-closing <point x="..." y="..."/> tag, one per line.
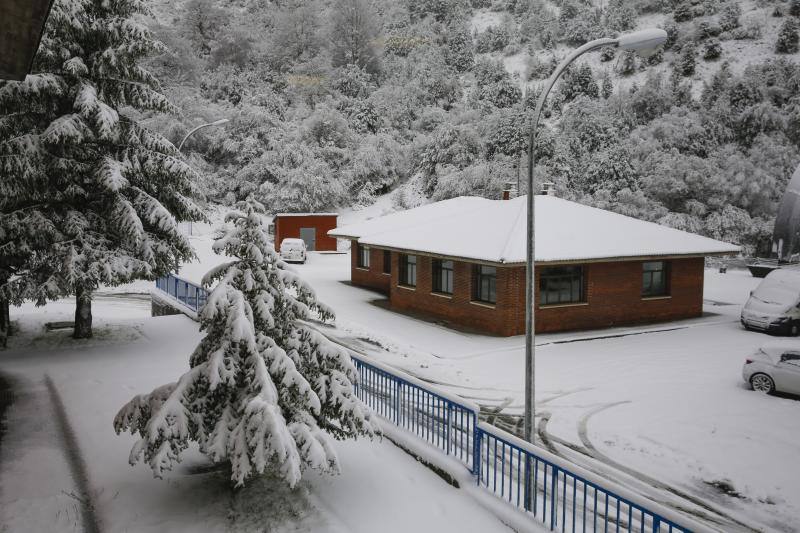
<point x="333" y="102"/>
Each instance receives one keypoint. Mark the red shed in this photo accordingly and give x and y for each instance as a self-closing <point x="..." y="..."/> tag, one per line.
<point x="311" y="227"/>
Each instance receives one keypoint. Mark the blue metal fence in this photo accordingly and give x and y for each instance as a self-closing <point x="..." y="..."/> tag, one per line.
<point x="189" y="294"/>
<point x="564" y="498"/>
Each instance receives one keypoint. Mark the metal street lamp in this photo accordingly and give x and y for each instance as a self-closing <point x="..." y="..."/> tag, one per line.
<point x="219" y="122"/>
<point x="644" y="42"/>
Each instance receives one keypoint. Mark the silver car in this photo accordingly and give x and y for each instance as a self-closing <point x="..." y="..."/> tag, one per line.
<point x="774" y="367"/>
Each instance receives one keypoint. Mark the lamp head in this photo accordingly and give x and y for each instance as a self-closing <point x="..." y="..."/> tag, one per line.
<point x="220" y="122"/>
<point x="643" y="42"/>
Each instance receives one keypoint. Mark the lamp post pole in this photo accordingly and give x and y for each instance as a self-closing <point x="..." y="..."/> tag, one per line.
<point x="640" y="41"/>
<point x="219" y="122"/>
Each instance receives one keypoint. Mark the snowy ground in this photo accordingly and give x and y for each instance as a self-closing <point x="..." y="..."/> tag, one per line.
<point x="659" y="408"/>
<point x="655" y="406"/>
<point x="661" y="405"/>
<point x="381" y="487"/>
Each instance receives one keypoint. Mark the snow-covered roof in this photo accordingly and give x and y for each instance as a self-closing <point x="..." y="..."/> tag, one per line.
<point x="307" y="214"/>
<point x="495" y="231"/>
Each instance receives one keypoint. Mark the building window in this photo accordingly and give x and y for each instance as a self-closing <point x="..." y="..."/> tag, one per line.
<point x="387" y="262"/>
<point x="484" y="286"/>
<point x="363" y="256"/>
<point x="655" y="278"/>
<point x="408" y="270"/>
<point x="561" y="285"/>
<point x="442" y="276"/>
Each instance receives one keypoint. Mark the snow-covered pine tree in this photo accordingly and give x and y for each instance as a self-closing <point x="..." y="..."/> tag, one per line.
<point x="264" y="390"/>
<point x="686" y="62"/>
<point x="787" y="42"/>
<point x="87" y="194"/>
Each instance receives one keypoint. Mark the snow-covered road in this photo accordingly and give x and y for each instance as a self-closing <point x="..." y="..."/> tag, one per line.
<point x="662" y="404"/>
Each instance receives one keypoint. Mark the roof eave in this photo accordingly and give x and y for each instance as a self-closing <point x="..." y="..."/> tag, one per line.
<point x="503" y="262"/>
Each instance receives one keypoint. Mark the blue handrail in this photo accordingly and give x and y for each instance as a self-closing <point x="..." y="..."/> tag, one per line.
<point x="189" y="294"/>
<point x="568" y="499"/>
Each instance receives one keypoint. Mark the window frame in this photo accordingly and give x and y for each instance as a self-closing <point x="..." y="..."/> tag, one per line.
<point x="666" y="274"/>
<point x="387" y="262"/>
<point x="792" y="358"/>
<point x="478" y="278"/>
<point x="404" y="277"/>
<point x="437" y="271"/>
<point x="548" y="276"/>
<point x="362" y="258"/>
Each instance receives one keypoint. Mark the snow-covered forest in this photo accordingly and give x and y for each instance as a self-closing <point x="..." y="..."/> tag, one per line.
<point x="334" y="102"/>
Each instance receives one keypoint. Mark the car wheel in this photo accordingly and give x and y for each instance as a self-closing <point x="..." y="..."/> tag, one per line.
<point x="762" y="383"/>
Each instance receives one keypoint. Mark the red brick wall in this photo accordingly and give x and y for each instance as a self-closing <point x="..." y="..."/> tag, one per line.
<point x="372" y="277"/>
<point x="458" y="308"/>
<point x="613" y="296"/>
<point x="289" y="228"/>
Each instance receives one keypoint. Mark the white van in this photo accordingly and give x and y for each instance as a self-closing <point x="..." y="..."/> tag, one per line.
<point x="774" y="307"/>
<point x="293" y="250"/>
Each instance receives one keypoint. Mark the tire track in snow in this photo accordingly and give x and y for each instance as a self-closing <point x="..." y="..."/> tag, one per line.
<point x="6" y="399"/>
<point x="77" y="465"/>
<point x="592" y="451"/>
<point x="715" y="517"/>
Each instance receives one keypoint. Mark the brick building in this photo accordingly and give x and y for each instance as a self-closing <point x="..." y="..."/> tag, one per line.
<point x="313" y="228"/>
<point x="463" y="261"/>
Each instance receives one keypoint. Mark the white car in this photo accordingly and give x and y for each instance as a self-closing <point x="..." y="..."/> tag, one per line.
<point x="774" y="307"/>
<point x="774" y="367"/>
<point x="293" y="250"/>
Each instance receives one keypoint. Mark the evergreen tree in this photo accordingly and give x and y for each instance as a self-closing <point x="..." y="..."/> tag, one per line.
<point x="88" y="196"/>
<point x="627" y="63"/>
<point x="508" y="134"/>
<point x="607" y="88"/>
<point x="794" y="8"/>
<point x="787" y="42"/>
<point x="729" y="19"/>
<point x="264" y="391"/>
<point x="683" y="11"/>
<point x="578" y="80"/>
<point x="686" y="61"/>
<point x="459" y="53"/>
<point x="712" y="49"/>
<point x="620" y="16"/>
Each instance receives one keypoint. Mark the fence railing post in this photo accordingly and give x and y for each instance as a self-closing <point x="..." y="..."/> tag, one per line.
<point x="398" y="395"/>
<point x="447" y="427"/>
<point x="527" y="486"/>
<point x="553" y="497"/>
<point x="477" y="435"/>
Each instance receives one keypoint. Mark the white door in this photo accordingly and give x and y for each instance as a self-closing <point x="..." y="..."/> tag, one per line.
<point x="309" y="235"/>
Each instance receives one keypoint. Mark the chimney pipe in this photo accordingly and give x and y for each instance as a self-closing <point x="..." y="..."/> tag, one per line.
<point x="509" y="191"/>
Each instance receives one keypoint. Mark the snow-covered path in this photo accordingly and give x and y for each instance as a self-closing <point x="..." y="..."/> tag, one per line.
<point x="381" y="487"/>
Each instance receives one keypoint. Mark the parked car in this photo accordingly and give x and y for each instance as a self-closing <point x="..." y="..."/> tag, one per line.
<point x="774" y="367"/>
<point x="293" y="250"/>
<point x="774" y="307"/>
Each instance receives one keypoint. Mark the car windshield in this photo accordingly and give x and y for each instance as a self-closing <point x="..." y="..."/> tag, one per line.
<point x="291" y="245"/>
<point x="775" y="295"/>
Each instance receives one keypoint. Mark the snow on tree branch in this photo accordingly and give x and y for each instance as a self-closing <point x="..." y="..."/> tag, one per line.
<point x="265" y="391"/>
